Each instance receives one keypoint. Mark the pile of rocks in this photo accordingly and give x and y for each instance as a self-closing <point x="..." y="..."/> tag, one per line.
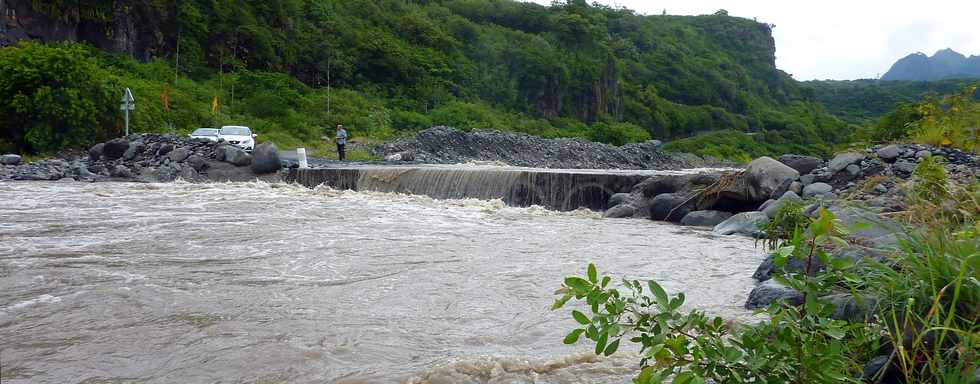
<point x="444" y="145"/>
<point x="743" y="202"/>
<point x="150" y="158"/>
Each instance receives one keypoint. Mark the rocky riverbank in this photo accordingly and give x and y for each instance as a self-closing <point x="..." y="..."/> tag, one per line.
<point x="151" y="158"/>
<point x="861" y="186"/>
<point x="444" y="145"/>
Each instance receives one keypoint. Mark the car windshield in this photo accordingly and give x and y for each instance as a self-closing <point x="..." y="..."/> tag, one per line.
<point x="235" y="131"/>
<point x="205" y="132"/>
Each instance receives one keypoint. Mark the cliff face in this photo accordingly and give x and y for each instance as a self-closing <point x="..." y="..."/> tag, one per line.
<point x="944" y="64"/>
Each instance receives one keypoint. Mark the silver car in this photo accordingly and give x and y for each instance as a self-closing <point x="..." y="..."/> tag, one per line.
<point x="205" y="133"/>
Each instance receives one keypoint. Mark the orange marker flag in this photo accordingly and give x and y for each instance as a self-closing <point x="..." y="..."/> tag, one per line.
<point x="166" y="97"/>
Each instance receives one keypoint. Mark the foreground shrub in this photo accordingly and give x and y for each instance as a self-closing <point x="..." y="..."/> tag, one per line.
<point x="54" y="96"/>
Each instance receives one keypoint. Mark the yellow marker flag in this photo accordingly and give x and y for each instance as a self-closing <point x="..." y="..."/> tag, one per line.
<point x="214" y="105"/>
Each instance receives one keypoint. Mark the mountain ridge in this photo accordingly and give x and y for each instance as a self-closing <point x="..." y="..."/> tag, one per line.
<point x="944" y="64"/>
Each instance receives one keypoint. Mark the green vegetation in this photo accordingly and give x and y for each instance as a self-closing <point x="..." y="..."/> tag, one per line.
<point x="396" y="66"/>
<point x="863" y="101"/>
<point x="923" y="303"/>
<point x="949" y="120"/>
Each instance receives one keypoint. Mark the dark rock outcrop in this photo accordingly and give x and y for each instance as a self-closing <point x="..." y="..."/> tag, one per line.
<point x="802" y="164"/>
<point x="707" y="218"/>
<point x="770" y="291"/>
<point x="745" y="223"/>
<point x="671" y="206"/>
<point x="265" y="158"/>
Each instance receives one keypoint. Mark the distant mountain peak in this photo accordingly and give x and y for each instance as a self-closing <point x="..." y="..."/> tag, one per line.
<point x="944" y="64"/>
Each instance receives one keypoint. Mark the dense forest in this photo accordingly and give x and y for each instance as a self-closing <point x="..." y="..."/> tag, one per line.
<point x="863" y="101"/>
<point x="293" y="68"/>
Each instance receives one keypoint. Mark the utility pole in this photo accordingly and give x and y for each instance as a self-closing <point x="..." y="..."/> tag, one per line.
<point x="128" y="104"/>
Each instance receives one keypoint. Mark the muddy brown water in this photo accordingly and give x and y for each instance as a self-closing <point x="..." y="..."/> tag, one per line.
<point x="256" y="282"/>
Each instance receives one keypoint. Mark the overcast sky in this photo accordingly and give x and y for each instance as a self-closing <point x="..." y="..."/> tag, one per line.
<point x="843" y="39"/>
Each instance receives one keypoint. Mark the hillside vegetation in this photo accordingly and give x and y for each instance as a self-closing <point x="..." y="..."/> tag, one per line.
<point x="292" y="69"/>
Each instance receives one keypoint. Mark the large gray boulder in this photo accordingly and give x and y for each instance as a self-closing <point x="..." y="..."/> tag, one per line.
<point x="802" y="164"/>
<point x="10" y="159"/>
<point x="619" y="198"/>
<point x="889" y="153"/>
<point x="619" y="211"/>
<point x="769" y="291"/>
<point x="817" y="189"/>
<point x="265" y="158"/>
<point x="771" y="209"/>
<point x="745" y="223"/>
<point x="670" y="206"/>
<point x="135" y="148"/>
<point x="115" y="148"/>
<point x="178" y="155"/>
<point x="234" y="155"/>
<point x="121" y="171"/>
<point x="850" y="308"/>
<point x="706" y="218"/>
<point x="95" y="153"/>
<point x="197" y="162"/>
<point x="842" y="160"/>
<point x="768" y="178"/>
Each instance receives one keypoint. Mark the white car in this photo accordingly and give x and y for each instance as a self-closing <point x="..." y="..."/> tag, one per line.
<point x="205" y="133"/>
<point x="239" y="136"/>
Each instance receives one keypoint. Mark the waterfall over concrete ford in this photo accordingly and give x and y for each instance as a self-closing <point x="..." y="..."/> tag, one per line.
<point x="256" y="282"/>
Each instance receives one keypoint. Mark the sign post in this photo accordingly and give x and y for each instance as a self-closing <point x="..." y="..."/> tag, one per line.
<point x="128" y="104"/>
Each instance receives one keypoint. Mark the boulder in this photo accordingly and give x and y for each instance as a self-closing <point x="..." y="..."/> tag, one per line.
<point x="95" y="153"/>
<point x="923" y="154"/>
<point x="842" y="160"/>
<point x="121" y="171"/>
<point x="265" y="158"/>
<point x="889" y="153"/>
<point x="164" y="149"/>
<point x="765" y="269"/>
<point x="670" y="206"/>
<point x="802" y="164"/>
<point x="853" y="170"/>
<point x="618" y="198"/>
<point x="745" y="223"/>
<point x="236" y="156"/>
<point x="769" y="291"/>
<point x="796" y="187"/>
<point x="135" y="148"/>
<point x="903" y="168"/>
<point x="706" y="218"/>
<point x="850" y="308"/>
<point x="874" y="366"/>
<point x="817" y="189"/>
<point x="115" y="148"/>
<point x="178" y="155"/>
<point x="10" y="159"/>
<point x="619" y="211"/>
<point x="807" y="179"/>
<point x="771" y="209"/>
<point x="768" y="178"/>
<point x="197" y="162"/>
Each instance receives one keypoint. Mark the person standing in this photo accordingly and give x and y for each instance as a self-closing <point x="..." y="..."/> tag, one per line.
<point x="341" y="141"/>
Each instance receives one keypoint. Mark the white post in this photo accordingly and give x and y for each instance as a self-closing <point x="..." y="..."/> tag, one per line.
<point x="126" y="113"/>
<point x="301" y="157"/>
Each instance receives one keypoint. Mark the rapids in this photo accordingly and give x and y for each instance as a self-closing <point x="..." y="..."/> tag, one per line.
<point x="256" y="282"/>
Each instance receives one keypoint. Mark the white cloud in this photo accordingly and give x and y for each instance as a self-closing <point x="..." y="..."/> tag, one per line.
<point x="842" y="39"/>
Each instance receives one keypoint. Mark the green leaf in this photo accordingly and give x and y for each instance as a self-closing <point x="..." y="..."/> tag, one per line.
<point x="658" y="293"/>
<point x="835" y="333"/>
<point x="593" y="274"/>
<point x="600" y="344"/>
<point x="580" y="317"/>
<point x="572" y="337"/>
<point x="605" y="281"/>
<point x="613" y="346"/>
<point x="580" y="285"/>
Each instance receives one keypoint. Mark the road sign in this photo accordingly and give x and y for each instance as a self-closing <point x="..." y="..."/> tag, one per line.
<point x="128" y="104"/>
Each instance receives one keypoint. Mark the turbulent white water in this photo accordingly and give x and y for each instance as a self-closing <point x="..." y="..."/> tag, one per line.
<point x="257" y="282"/>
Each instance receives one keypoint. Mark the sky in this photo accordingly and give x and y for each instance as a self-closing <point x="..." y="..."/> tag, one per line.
<point x="842" y="39"/>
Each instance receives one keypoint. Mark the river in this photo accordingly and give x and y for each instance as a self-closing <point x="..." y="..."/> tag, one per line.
<point x="268" y="283"/>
